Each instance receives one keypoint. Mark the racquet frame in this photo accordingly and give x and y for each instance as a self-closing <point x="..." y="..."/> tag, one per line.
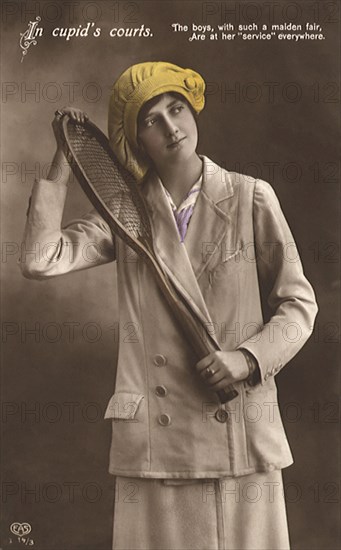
<point x="198" y="336"/>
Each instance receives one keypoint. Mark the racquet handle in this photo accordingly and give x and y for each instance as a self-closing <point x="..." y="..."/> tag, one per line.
<point x="226" y="396"/>
<point x="205" y="347"/>
<point x="202" y="342"/>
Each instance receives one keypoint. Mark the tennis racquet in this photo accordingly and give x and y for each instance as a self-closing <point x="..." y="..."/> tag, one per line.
<point x="113" y="192"/>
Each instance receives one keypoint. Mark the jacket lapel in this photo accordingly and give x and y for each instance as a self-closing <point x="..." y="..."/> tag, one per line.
<point x="184" y="262"/>
<point x="211" y="219"/>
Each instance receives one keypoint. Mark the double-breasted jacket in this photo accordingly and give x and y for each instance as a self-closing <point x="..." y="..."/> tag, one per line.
<point x="239" y="270"/>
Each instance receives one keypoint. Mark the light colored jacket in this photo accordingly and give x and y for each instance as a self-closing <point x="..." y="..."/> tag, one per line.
<point x="163" y="416"/>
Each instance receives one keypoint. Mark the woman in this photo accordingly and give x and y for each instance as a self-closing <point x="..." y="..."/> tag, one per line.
<point x="190" y="472"/>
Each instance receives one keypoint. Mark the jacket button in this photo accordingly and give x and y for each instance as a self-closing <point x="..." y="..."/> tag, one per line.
<point x="160" y="360"/>
<point x="161" y="391"/>
<point x="165" y="420"/>
<point x="266" y="376"/>
<point x="221" y="415"/>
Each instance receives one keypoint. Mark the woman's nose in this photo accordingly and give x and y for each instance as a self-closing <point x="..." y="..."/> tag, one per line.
<point x="170" y="126"/>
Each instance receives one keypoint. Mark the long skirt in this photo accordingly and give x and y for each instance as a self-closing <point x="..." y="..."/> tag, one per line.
<point x="244" y="513"/>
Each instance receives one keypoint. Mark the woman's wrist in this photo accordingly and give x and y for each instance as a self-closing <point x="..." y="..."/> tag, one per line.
<point x="253" y="368"/>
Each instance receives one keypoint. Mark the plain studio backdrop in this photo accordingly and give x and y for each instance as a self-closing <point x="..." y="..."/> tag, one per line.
<point x="271" y="112"/>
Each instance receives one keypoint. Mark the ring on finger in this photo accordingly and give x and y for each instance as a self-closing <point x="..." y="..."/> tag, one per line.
<point x="59" y="113"/>
<point x="209" y="372"/>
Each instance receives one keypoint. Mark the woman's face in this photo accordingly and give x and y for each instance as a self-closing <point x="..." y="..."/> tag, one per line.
<point x="167" y="131"/>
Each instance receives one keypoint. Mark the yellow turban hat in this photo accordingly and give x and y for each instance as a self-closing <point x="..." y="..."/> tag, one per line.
<point x="135" y="87"/>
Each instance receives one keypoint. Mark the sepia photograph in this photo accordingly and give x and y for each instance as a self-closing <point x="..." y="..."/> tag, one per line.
<point x="170" y="275"/>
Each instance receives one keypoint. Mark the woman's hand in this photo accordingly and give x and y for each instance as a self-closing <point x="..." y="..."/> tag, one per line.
<point x="75" y="114"/>
<point x="221" y="368"/>
<point x="60" y="168"/>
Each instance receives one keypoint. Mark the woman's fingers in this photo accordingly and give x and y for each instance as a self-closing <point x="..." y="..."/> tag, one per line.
<point x="215" y="378"/>
<point x="205" y="362"/>
<point x="78" y="115"/>
<point x="75" y="114"/>
<point x="221" y="368"/>
<point x="212" y="373"/>
<point x="212" y="379"/>
<point x="215" y="370"/>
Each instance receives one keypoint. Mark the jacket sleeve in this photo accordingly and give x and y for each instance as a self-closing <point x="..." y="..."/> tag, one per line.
<point x="290" y="297"/>
<point x="48" y="250"/>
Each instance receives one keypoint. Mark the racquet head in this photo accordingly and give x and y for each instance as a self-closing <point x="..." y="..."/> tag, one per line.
<point x="111" y="188"/>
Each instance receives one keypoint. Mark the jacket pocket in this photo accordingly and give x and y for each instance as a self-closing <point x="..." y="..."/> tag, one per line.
<point x="123" y="405"/>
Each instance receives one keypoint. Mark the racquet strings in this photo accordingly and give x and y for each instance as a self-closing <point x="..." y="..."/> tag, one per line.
<point x="111" y="184"/>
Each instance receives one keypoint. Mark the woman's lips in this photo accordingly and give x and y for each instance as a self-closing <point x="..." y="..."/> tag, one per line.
<point x="175" y="143"/>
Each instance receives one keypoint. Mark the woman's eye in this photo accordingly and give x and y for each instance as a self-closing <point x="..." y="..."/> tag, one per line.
<point x="177" y="109"/>
<point x="150" y="122"/>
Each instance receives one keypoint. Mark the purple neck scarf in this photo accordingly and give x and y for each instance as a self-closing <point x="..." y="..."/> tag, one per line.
<point x="184" y="211"/>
